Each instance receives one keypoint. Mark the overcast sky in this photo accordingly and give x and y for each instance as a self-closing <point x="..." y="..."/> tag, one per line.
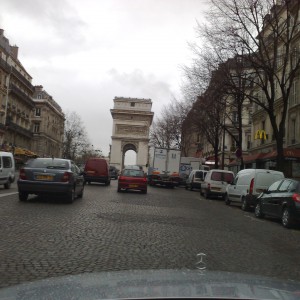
<point x="87" y="52"/>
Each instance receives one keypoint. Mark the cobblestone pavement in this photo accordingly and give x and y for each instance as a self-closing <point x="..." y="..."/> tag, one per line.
<point x="166" y="228"/>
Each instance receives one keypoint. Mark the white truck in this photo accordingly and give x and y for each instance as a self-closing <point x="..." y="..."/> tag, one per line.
<point x="164" y="167"/>
<point x="187" y="164"/>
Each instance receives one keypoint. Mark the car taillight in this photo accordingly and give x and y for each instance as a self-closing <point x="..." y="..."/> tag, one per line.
<point x="296" y="197"/>
<point x="208" y="186"/>
<point x="121" y="178"/>
<point x="251" y="186"/>
<point x="22" y="174"/>
<point x="145" y="179"/>
<point x="66" y="177"/>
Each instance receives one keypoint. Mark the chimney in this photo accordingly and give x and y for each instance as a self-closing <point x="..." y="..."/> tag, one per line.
<point x="14" y="51"/>
<point x="38" y="88"/>
<point x="1" y="32"/>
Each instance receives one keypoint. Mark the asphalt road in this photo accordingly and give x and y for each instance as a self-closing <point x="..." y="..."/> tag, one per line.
<point x="164" y="229"/>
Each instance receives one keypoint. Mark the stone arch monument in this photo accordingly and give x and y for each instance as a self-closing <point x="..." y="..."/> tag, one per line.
<point x="132" y="119"/>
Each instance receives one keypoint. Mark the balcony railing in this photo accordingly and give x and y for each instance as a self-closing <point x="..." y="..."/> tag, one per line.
<point x="4" y="65"/>
<point x="19" y="129"/>
<point x="22" y="79"/>
<point x="15" y="90"/>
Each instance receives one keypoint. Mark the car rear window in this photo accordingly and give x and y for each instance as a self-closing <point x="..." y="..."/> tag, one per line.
<point x="133" y="173"/>
<point x="221" y="176"/>
<point x="199" y="174"/>
<point x="49" y="163"/>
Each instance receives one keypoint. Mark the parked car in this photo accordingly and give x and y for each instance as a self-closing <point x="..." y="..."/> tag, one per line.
<point x="113" y="172"/>
<point x="96" y="170"/>
<point x="195" y="179"/>
<point x="281" y="200"/>
<point x="248" y="184"/>
<point x="7" y="169"/>
<point x="132" y="179"/>
<point x="215" y="183"/>
<point x="52" y="176"/>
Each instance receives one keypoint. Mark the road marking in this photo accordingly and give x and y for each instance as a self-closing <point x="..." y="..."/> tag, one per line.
<point x="8" y="194"/>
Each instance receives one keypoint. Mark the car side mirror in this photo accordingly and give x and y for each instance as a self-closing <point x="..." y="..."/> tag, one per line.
<point x="266" y="191"/>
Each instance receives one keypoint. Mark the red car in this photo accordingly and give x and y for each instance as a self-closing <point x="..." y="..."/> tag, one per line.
<point x="132" y="179"/>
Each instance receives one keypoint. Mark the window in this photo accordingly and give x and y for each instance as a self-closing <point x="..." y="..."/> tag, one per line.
<point x="36" y="127"/>
<point x="173" y="155"/>
<point x="294" y="93"/>
<point x="234" y="117"/>
<point x="284" y="186"/>
<point x="293" y="131"/>
<point x="7" y="162"/>
<point x="274" y="186"/>
<point x="132" y="104"/>
<point x="37" y="112"/>
<point x="39" y="96"/>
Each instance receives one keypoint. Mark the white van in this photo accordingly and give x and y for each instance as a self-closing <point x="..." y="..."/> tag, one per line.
<point x="215" y="183"/>
<point x="7" y="169"/>
<point x="248" y="184"/>
<point x="195" y="179"/>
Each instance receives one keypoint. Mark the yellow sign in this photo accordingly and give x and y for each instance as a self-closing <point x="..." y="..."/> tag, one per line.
<point x="260" y="134"/>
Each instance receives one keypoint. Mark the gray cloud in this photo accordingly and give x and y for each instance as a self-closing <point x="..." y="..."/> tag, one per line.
<point x="56" y="18"/>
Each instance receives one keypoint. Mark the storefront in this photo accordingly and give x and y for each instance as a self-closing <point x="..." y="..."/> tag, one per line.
<point x="268" y="161"/>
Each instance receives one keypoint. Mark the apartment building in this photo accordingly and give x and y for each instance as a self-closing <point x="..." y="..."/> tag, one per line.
<point x="16" y="102"/>
<point x="263" y="144"/>
<point x="31" y="122"/>
<point x="47" y="124"/>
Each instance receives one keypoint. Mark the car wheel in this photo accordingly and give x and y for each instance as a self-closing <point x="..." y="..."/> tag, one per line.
<point x="257" y="212"/>
<point x="107" y="182"/>
<point x="80" y="195"/>
<point x="206" y="195"/>
<point x="226" y="199"/>
<point x="23" y="196"/>
<point x="245" y="205"/>
<point x="286" y="218"/>
<point x="144" y="191"/>
<point x="71" y="196"/>
<point x="7" y="184"/>
<point x="186" y="187"/>
<point x="119" y="190"/>
<point x="191" y="188"/>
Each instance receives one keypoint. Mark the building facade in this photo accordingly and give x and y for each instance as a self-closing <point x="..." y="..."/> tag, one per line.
<point x="47" y="124"/>
<point x="31" y="122"/>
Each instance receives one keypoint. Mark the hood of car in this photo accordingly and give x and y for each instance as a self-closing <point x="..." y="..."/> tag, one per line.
<point x="155" y="284"/>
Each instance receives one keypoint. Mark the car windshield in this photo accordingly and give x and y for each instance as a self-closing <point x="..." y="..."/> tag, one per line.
<point x="49" y="163"/>
<point x="133" y="173"/>
<point x="145" y="135"/>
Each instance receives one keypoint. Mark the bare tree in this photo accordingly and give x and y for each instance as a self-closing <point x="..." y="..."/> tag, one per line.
<point x="75" y="137"/>
<point x="264" y="34"/>
<point x="166" y="129"/>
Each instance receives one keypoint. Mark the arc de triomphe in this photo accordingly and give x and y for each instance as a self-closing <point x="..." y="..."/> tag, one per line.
<point x="132" y="119"/>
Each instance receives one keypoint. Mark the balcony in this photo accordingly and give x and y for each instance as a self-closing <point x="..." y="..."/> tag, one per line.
<point x="15" y="90"/>
<point x="4" y="65"/>
<point x="23" y="79"/>
<point x="18" y="129"/>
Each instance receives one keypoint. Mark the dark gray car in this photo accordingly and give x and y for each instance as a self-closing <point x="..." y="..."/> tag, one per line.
<point x="52" y="176"/>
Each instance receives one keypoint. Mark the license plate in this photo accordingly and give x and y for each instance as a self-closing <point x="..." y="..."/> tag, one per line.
<point x="215" y="189"/>
<point x="132" y="185"/>
<point x="91" y="172"/>
<point x="44" y="177"/>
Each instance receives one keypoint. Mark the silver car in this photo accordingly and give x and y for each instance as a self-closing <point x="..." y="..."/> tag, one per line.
<point x="52" y="176"/>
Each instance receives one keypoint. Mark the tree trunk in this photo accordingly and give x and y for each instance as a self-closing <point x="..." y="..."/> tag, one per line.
<point x="280" y="155"/>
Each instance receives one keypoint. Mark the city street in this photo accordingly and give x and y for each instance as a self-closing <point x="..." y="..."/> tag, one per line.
<point x="164" y="229"/>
